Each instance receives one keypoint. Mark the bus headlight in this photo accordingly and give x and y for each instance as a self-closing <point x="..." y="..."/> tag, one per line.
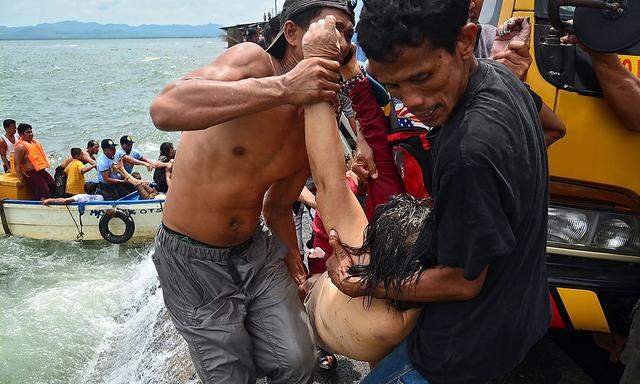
<point x="593" y="230"/>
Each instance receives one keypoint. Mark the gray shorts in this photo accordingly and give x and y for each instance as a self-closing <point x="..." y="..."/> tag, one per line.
<point x="237" y="308"/>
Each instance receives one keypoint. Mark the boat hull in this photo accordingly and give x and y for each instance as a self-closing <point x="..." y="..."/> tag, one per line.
<point x="31" y="219"/>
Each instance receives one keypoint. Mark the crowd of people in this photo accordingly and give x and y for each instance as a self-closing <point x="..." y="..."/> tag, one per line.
<point x="448" y="252"/>
<point x="24" y="156"/>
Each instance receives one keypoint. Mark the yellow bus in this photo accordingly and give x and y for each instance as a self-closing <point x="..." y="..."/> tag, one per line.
<point x="593" y="244"/>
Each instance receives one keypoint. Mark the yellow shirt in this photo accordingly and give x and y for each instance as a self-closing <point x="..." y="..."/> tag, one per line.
<point x="75" y="178"/>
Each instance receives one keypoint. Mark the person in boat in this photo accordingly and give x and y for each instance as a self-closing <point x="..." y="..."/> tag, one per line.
<point x="7" y="145"/>
<point x="89" y="194"/>
<point x="162" y="175"/>
<point x="486" y="301"/>
<point x="112" y="185"/>
<point x="88" y="156"/>
<point x="232" y="288"/>
<point x="127" y="157"/>
<point x="31" y="165"/>
<point x="74" y="171"/>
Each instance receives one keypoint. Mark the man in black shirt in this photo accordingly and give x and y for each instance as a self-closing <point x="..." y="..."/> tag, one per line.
<point x="486" y="302"/>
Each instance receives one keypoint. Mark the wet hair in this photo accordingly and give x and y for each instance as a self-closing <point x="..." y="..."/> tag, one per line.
<point x="396" y="241"/>
<point x="7" y="123"/>
<point x="90" y="187"/>
<point x="136" y="175"/>
<point x="76" y="152"/>
<point x="165" y="148"/>
<point x="23" y="127"/>
<point x="91" y="144"/>
<point x="387" y="27"/>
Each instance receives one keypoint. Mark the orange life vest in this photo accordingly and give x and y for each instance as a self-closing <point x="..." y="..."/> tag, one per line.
<point x="36" y="154"/>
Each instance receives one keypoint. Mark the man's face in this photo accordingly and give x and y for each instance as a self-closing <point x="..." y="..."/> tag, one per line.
<point x="127" y="147"/>
<point x="343" y="25"/>
<point x="429" y="82"/>
<point x="475" y="7"/>
<point x="27" y="135"/>
<point x="93" y="150"/>
<point x="11" y="130"/>
<point x="110" y="152"/>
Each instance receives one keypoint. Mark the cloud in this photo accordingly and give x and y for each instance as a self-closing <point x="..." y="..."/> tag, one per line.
<point x="134" y="12"/>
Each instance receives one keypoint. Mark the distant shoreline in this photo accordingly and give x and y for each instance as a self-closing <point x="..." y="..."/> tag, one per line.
<point x="221" y="37"/>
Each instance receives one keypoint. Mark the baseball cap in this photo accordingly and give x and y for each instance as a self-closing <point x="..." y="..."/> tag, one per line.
<point x="107" y="143"/>
<point x="126" y="140"/>
<point x="292" y="8"/>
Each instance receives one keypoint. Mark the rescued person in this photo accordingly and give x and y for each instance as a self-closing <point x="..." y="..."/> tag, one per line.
<point x="232" y="288"/>
<point x="365" y="330"/>
<point x="31" y="165"/>
<point x="486" y="301"/>
<point x="75" y="171"/>
<point x="88" y="194"/>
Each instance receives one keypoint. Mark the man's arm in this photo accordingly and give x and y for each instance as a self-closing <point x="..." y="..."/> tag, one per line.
<point x="620" y="87"/>
<point x="307" y="197"/>
<point x="18" y="158"/>
<point x="65" y="201"/>
<point x="240" y="82"/>
<point x="439" y="283"/>
<point x="3" y="155"/>
<point x="87" y="158"/>
<point x="278" y="216"/>
<point x="109" y="180"/>
<point x="87" y="168"/>
<point x="552" y="126"/>
<point x="132" y="160"/>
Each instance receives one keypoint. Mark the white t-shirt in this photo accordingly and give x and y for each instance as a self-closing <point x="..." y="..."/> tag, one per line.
<point x="83" y="198"/>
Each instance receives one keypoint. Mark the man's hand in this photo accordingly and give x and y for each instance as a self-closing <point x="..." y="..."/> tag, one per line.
<point x="299" y="275"/>
<point x="351" y="69"/>
<point x="338" y="266"/>
<point x="511" y="46"/>
<point x="312" y="81"/>
<point x="321" y="40"/>
<point x="150" y="167"/>
<point x="517" y="58"/>
<point x="363" y="164"/>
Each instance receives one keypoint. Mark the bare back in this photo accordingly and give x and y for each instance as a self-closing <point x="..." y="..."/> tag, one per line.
<point x="221" y="174"/>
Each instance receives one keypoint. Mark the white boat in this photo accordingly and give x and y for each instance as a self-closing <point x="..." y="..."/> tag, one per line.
<point x="120" y="221"/>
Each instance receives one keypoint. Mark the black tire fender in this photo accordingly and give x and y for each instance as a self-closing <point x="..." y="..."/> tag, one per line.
<point x="125" y="217"/>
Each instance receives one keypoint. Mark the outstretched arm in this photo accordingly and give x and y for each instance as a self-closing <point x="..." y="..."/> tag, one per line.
<point x="239" y="82"/>
<point x="338" y="205"/>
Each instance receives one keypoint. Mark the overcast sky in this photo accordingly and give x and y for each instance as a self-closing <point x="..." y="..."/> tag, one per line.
<point x="134" y="12"/>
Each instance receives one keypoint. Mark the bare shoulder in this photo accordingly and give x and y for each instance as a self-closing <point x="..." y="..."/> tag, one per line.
<point x="241" y="61"/>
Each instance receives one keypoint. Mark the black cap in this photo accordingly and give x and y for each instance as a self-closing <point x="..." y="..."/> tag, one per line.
<point x="126" y="140"/>
<point x="292" y="8"/>
<point x="107" y="143"/>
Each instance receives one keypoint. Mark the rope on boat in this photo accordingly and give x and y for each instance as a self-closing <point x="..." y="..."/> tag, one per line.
<point x="80" y="235"/>
<point x="3" y="218"/>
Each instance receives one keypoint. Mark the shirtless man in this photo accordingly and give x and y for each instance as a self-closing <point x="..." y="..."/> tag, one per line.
<point x="242" y="154"/>
<point x="88" y="155"/>
<point x="8" y="142"/>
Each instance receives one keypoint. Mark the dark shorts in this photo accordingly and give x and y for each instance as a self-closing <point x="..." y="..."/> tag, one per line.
<point x="237" y="308"/>
<point x="41" y="184"/>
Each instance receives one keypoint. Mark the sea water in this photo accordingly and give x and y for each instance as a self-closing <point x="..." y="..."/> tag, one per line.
<point x="88" y="312"/>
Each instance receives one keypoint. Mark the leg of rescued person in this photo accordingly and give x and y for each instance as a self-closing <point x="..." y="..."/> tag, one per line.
<point x="254" y="169"/>
<point x="488" y="297"/>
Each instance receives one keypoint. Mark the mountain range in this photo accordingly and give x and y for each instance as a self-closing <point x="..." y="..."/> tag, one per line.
<point x="79" y="30"/>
